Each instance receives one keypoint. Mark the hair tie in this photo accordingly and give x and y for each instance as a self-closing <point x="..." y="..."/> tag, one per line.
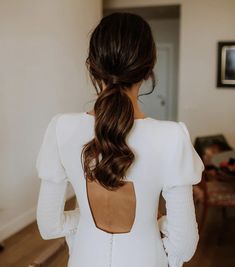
<point x="113" y="79"/>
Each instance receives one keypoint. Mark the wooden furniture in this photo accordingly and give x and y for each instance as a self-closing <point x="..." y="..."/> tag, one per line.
<point x="216" y="189"/>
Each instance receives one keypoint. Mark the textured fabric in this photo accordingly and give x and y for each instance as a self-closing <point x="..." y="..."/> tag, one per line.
<point x="179" y="227"/>
<point x="165" y="162"/>
<point x="52" y="220"/>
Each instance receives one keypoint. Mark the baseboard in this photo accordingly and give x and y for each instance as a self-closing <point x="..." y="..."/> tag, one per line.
<point x="17" y="223"/>
<point x="24" y="220"/>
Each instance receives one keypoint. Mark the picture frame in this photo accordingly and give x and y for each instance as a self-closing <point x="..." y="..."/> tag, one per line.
<point x="226" y="64"/>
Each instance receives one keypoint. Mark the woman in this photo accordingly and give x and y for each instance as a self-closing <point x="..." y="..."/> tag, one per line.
<point x="119" y="162"/>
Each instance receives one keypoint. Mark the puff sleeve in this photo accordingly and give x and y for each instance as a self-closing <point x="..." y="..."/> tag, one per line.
<point x="184" y="164"/>
<point x="48" y="162"/>
<point x="52" y="220"/>
<point x="179" y="225"/>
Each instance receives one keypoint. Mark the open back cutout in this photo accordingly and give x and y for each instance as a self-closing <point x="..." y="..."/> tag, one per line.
<point x="112" y="211"/>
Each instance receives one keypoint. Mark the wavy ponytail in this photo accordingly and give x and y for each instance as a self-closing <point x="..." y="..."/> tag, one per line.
<point x="122" y="52"/>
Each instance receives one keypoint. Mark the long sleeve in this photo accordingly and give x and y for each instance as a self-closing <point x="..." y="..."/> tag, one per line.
<point x="179" y="225"/>
<point x="53" y="221"/>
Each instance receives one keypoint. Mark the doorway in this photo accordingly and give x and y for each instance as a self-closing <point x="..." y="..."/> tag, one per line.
<point x="162" y="103"/>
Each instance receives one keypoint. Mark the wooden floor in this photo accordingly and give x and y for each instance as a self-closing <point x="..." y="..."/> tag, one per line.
<point x="22" y="248"/>
<point x="210" y="252"/>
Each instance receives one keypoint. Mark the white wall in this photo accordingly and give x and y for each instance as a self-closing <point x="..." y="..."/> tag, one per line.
<point x="204" y="108"/>
<point x="43" y="46"/>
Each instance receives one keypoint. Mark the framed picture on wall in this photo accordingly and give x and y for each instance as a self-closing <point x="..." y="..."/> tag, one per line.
<point x="226" y="64"/>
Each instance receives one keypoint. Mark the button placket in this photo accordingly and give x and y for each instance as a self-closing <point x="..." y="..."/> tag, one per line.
<point x="111" y="250"/>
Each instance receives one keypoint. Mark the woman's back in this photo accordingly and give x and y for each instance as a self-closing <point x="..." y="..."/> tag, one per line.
<point x="165" y="161"/>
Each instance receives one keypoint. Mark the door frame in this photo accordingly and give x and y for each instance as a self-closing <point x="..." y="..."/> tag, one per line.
<point x="171" y="101"/>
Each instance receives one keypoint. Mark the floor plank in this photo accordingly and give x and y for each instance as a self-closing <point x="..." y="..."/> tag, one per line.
<point x="23" y="247"/>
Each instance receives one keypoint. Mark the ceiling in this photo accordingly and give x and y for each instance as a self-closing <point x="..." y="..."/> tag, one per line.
<point x="153" y="12"/>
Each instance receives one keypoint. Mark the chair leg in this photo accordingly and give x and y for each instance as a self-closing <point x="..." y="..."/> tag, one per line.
<point x="203" y="217"/>
<point x="2" y="246"/>
<point x="224" y="213"/>
<point x="223" y="226"/>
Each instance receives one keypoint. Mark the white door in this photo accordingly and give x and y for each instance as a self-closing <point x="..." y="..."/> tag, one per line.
<point x="158" y="103"/>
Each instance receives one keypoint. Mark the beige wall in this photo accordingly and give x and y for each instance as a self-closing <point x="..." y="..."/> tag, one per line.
<point x="204" y="108"/>
<point x="43" y="46"/>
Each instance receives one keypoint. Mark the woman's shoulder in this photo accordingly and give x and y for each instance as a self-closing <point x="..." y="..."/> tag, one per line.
<point x="70" y="118"/>
<point x="70" y="122"/>
<point x="162" y="122"/>
<point x="166" y="126"/>
<point x="171" y="130"/>
<point x="168" y="133"/>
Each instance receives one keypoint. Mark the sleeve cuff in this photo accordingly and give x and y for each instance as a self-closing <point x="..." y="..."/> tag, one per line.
<point x="173" y="260"/>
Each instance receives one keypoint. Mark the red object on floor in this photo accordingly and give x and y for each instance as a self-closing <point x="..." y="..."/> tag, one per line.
<point x="224" y="164"/>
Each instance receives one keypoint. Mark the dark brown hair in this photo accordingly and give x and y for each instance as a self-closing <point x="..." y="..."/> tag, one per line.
<point x="122" y="52"/>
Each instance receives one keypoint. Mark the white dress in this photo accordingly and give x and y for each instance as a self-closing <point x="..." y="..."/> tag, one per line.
<point x="165" y="162"/>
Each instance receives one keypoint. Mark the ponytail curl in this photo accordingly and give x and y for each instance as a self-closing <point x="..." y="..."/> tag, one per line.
<point x="111" y="128"/>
